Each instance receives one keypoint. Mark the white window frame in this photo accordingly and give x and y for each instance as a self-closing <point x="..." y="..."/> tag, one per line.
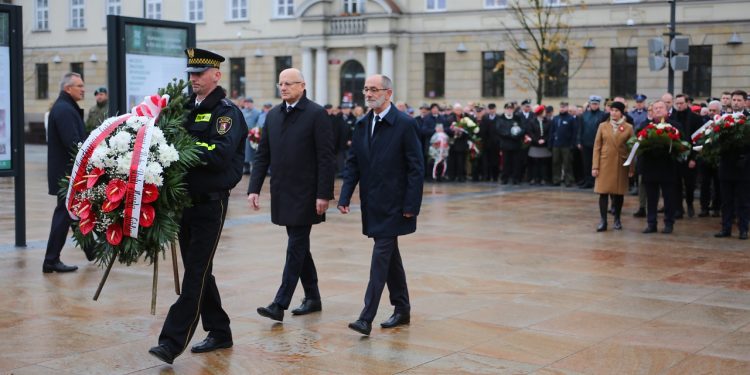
<point x="198" y="12"/>
<point x="113" y="7"/>
<point x="435" y="5"/>
<point x="287" y="6"/>
<point x="495" y="4"/>
<point x="41" y="15"/>
<point x="77" y="14"/>
<point x="235" y="9"/>
<point x="353" y="6"/>
<point x="154" y="13"/>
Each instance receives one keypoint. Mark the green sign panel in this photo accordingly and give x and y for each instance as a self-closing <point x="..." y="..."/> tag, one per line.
<point x="150" y="40"/>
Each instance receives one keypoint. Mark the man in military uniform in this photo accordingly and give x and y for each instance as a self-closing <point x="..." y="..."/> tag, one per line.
<point x="98" y="112"/>
<point x="220" y="129"/>
<point x="586" y="134"/>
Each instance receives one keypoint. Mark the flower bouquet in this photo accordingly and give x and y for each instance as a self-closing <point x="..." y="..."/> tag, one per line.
<point x="723" y="135"/>
<point x="127" y="184"/>
<point x="657" y="140"/>
<point x="468" y="126"/>
<point x="253" y="135"/>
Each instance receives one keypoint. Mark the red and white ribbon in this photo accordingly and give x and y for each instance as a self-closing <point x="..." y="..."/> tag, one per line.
<point x="134" y="191"/>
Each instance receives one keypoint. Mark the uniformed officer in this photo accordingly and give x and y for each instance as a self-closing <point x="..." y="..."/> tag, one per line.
<point x="221" y="130"/>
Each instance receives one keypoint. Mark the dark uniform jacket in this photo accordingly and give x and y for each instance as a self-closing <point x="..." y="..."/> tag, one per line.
<point x="488" y="132"/>
<point x="735" y="167"/>
<point x="220" y="129"/>
<point x="510" y="139"/>
<point x="687" y="122"/>
<point x="591" y="121"/>
<point x="657" y="166"/>
<point x="298" y="146"/>
<point x="348" y="128"/>
<point x="390" y="173"/>
<point x="563" y="131"/>
<point x="64" y="130"/>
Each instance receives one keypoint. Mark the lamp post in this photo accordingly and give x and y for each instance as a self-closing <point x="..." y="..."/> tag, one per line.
<point x="672" y="33"/>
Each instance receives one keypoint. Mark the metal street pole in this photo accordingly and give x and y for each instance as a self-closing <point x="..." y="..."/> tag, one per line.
<point x="672" y="33"/>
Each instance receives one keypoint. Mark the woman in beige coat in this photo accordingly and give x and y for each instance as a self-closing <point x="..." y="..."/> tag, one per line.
<point x="610" y="152"/>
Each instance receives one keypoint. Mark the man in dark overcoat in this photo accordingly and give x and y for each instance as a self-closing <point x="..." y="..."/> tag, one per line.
<point x="298" y="146"/>
<point x="659" y="171"/>
<point x="386" y="161"/>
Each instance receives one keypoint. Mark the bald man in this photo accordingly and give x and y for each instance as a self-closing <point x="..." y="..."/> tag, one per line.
<point x="297" y="144"/>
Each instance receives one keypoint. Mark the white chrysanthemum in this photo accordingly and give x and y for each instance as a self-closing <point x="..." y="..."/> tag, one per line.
<point x="152" y="174"/>
<point x="135" y="122"/>
<point x="157" y="137"/>
<point x="120" y="142"/>
<point x="661" y="126"/>
<point x="99" y="156"/>
<point x="123" y="163"/>
<point x="167" y="154"/>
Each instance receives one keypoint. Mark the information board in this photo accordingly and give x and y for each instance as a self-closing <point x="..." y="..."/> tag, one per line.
<point x="5" y="127"/>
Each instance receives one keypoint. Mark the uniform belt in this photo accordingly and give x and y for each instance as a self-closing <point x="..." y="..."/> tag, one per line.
<point x="209" y="196"/>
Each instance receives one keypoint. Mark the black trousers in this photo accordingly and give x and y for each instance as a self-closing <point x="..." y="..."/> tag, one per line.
<point x="686" y="178"/>
<point x="299" y="266"/>
<point x="587" y="153"/>
<point x="200" y="231"/>
<point x="540" y="169"/>
<point x="490" y="160"/>
<point x="58" y="232"/>
<point x="652" y="200"/>
<point x="457" y="165"/>
<point x="735" y="199"/>
<point x="710" y="187"/>
<point x="386" y="268"/>
<point x="512" y="165"/>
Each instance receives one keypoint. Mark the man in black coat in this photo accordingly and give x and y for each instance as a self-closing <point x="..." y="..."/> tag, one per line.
<point x="510" y="130"/>
<point x="659" y="172"/>
<point x="687" y="122"/>
<point x="220" y="129"/>
<point x="459" y="146"/>
<point x="64" y="131"/>
<point x="490" y="141"/>
<point x="386" y="160"/>
<point x="427" y="129"/>
<point x="298" y="146"/>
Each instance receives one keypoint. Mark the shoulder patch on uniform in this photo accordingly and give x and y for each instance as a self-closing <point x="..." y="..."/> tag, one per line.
<point x="223" y="124"/>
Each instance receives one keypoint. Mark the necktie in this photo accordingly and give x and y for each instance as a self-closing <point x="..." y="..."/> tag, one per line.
<point x="289" y="109"/>
<point x="377" y="121"/>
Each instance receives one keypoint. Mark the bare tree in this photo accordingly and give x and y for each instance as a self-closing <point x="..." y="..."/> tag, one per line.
<point x="543" y="62"/>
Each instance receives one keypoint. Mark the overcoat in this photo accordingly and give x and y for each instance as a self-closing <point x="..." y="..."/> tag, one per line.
<point x="298" y="147"/>
<point x="390" y="173"/>
<point x="610" y="152"/>
<point x="64" y="131"/>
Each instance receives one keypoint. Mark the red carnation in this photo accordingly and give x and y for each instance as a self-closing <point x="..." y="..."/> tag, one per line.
<point x="93" y="176"/>
<point x="87" y="224"/>
<point x="109" y="206"/>
<point x="650" y="126"/>
<point x="147" y="216"/>
<point x="114" y="234"/>
<point x="150" y="193"/>
<point x="116" y="190"/>
<point x="659" y="131"/>
<point x="717" y="128"/>
<point x="741" y="121"/>
<point x="643" y="134"/>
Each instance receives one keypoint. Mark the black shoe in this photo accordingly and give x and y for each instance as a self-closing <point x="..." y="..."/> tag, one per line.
<point x="308" y="306"/>
<point x="210" y="344"/>
<point x="57" y="266"/>
<point x="602" y="227"/>
<point x="618" y="224"/>
<point x="650" y="229"/>
<point x="361" y="326"/>
<point x="612" y="210"/>
<point x="690" y="211"/>
<point x="743" y="236"/>
<point x="667" y="229"/>
<point x="272" y="311"/>
<point x="704" y="213"/>
<point x="90" y="253"/>
<point x="679" y="215"/>
<point x="723" y="234"/>
<point x="640" y="213"/>
<point x="160" y="351"/>
<point x="396" y="320"/>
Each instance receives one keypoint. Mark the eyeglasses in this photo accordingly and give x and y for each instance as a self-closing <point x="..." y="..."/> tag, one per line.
<point x="373" y="90"/>
<point x="286" y="84"/>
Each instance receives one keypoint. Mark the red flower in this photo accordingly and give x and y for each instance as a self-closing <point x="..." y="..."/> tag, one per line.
<point x="717" y="128"/>
<point x="643" y="134"/>
<point x="116" y="190"/>
<point x="150" y="193"/>
<point x="80" y="184"/>
<point x="109" y="206"/>
<point x="650" y="126"/>
<point x="84" y="209"/>
<point x="87" y="224"/>
<point x="114" y="234"/>
<point x="147" y="215"/>
<point x="659" y="131"/>
<point x="93" y="176"/>
<point x="727" y="125"/>
<point x="741" y="121"/>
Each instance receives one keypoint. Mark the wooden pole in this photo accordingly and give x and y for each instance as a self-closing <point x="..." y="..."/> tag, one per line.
<point x="106" y="274"/>
<point x="174" y="268"/>
<point x="153" y="287"/>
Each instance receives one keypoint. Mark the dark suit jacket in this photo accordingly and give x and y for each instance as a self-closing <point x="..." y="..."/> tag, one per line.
<point x="659" y="166"/>
<point x="488" y="132"/>
<point x="390" y="173"/>
<point x="64" y="130"/>
<point x="299" y="149"/>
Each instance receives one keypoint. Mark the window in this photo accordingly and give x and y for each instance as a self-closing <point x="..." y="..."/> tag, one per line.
<point x="556" y="80"/>
<point x="282" y="63"/>
<point x="696" y="81"/>
<point x="495" y="3"/>
<point x="554" y="2"/>
<point x="434" y="75"/>
<point x="283" y="8"/>
<point x="435" y="5"/>
<point x="354" y="6"/>
<point x="77" y="67"/>
<point x="153" y="9"/>
<point x="76" y="14"/>
<point x="493" y="74"/>
<point x="114" y="7"/>
<point x="237" y="10"/>
<point x="623" y="72"/>
<point x="41" y="15"/>
<point x="195" y="10"/>
<point x="237" y="77"/>
<point x="42" y="81"/>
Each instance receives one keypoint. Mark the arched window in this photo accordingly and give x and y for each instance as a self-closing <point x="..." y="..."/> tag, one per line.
<point x="352" y="82"/>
